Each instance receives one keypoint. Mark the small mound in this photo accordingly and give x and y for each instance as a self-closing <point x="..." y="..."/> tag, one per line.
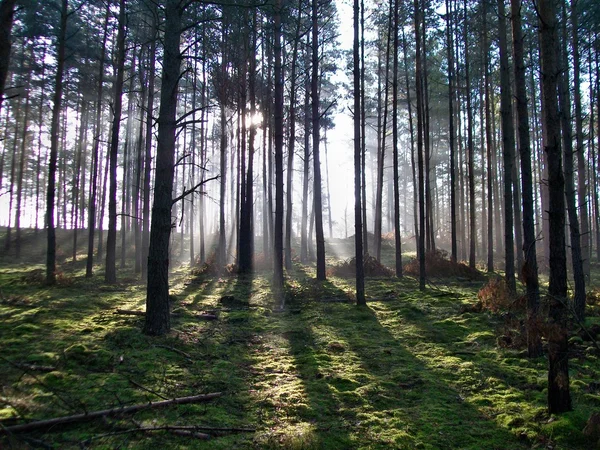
<point x="372" y="267"/>
<point x="437" y="264"/>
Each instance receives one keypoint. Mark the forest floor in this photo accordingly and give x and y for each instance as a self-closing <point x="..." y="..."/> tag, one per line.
<point x="412" y="369"/>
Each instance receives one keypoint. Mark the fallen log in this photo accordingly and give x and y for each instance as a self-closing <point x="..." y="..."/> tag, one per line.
<point x="39" y="424"/>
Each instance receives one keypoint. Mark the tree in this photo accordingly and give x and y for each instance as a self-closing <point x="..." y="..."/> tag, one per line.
<point x="7" y="9"/>
<point x="559" y="398"/>
<point x="54" y="136"/>
<point x="358" y="229"/>
<point x="420" y="150"/>
<point x="157" y="291"/>
<point x="530" y="269"/>
<point x="278" y="231"/>
<point x="316" y="139"/>
<point x="110" y="275"/>
<point x="397" y="238"/>
<point x="508" y="149"/>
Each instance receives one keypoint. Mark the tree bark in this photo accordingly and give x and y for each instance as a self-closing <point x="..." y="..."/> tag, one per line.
<point x="54" y="135"/>
<point x="358" y="226"/>
<point x="316" y="121"/>
<point x="397" y="237"/>
<point x="278" y="232"/>
<point x="157" y="292"/>
<point x="529" y="271"/>
<point x="110" y="275"/>
<point x="559" y="398"/>
<point x="508" y="149"/>
<point x="7" y="10"/>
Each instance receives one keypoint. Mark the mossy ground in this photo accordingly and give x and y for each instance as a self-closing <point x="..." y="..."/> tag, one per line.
<point x="410" y="370"/>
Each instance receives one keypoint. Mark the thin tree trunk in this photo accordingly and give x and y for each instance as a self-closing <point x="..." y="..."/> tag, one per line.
<point x="148" y="144"/>
<point x="569" y="182"/>
<point x="358" y="226"/>
<point x="54" y="133"/>
<point x="7" y="10"/>
<point x="278" y="232"/>
<point x="95" y="151"/>
<point x="110" y="275"/>
<point x="582" y="194"/>
<point x="451" y="130"/>
<point x="420" y="125"/>
<point x="508" y="145"/>
<point x="316" y="120"/>
<point x="397" y="237"/>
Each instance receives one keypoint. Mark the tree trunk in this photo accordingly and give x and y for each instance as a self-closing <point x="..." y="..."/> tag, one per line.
<point x="54" y="134"/>
<point x="358" y="226"/>
<point x="420" y="125"/>
<point x="529" y="271"/>
<point x="508" y="146"/>
<point x="451" y="130"/>
<point x="278" y="232"/>
<point x="89" y="268"/>
<point x="316" y="121"/>
<point x="7" y="10"/>
<point x="488" y="143"/>
<point x="582" y="194"/>
<point x="397" y="237"/>
<point x="559" y="398"/>
<point x="291" y="143"/>
<point x="157" y="294"/>
<point x="110" y="275"/>
<point x="567" y="133"/>
<point x="148" y="145"/>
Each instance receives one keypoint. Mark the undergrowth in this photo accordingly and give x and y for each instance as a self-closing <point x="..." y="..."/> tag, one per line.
<point x="411" y="370"/>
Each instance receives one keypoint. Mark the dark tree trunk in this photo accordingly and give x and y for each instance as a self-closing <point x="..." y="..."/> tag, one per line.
<point x="567" y="134"/>
<point x="22" y="161"/>
<point x="278" y="232"/>
<point x="470" y="148"/>
<point x="582" y="194"/>
<point x="148" y="147"/>
<point x="381" y="131"/>
<point x="358" y="226"/>
<point x="397" y="237"/>
<point x="508" y="146"/>
<point x="451" y="130"/>
<point x="157" y="294"/>
<point x="559" y="398"/>
<point x="420" y="125"/>
<point x="488" y="144"/>
<point x="89" y="268"/>
<point x="291" y="143"/>
<point x="363" y="134"/>
<point x="316" y="121"/>
<point x="110" y="275"/>
<point x="7" y="9"/>
<point x="529" y="271"/>
<point x="54" y="134"/>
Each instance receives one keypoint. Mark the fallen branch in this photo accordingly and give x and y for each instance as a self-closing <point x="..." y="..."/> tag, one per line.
<point x="206" y="316"/>
<point x="35" y="367"/>
<point x="136" y="312"/>
<point x="173" y="349"/>
<point x="130" y="312"/>
<point x="180" y="431"/>
<point x="105" y="413"/>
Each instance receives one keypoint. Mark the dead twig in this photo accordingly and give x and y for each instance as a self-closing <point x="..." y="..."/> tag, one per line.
<point x="54" y="423"/>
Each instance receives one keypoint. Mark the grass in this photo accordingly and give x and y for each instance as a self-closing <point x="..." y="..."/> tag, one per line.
<point x="411" y="370"/>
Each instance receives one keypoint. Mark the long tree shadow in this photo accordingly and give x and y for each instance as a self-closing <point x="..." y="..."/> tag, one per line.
<point x="375" y="384"/>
